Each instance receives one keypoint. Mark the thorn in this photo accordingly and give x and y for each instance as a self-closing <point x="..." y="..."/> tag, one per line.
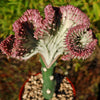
<point x="44" y="69"/>
<point x="51" y="77"/>
<point x="48" y="91"/>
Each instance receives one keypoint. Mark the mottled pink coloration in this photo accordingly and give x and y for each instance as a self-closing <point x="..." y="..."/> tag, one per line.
<point x="47" y="22"/>
<point x="49" y="13"/>
<point x="66" y="57"/>
<point x="24" y="29"/>
<point x="31" y="28"/>
<point x="7" y="45"/>
<point x="24" y="40"/>
<point x="77" y="47"/>
<point x="18" y="49"/>
<point x="31" y="16"/>
<point x="54" y="16"/>
<point x="75" y="15"/>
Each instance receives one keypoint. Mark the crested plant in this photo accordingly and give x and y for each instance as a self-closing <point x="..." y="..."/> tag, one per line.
<point x="63" y="32"/>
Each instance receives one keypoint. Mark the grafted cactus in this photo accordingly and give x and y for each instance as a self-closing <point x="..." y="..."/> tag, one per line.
<point x="63" y="32"/>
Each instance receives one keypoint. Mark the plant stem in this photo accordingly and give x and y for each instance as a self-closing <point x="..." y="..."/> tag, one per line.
<point x="49" y="82"/>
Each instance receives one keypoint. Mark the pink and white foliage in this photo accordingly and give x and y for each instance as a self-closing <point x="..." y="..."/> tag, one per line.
<point x="73" y="16"/>
<point x="79" y="42"/>
<point x="7" y="45"/>
<point x="64" y="31"/>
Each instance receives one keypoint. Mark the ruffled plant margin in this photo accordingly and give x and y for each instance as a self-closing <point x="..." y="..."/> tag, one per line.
<point x="63" y="33"/>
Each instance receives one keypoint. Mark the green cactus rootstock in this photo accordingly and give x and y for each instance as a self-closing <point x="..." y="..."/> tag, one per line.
<point x="49" y="82"/>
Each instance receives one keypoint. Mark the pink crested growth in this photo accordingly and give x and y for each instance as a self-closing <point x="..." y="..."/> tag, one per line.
<point x="7" y="45"/>
<point x="66" y="57"/>
<point x="31" y="27"/>
<point x="75" y="15"/>
<point x="25" y="29"/>
<point x="49" y="23"/>
<point x="53" y="16"/>
<point x="23" y="42"/>
<point x="31" y="16"/>
<point x="18" y="49"/>
<point x="79" y="42"/>
<point x="49" y="14"/>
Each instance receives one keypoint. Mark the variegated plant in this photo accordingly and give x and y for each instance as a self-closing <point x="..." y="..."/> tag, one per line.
<point x="63" y="32"/>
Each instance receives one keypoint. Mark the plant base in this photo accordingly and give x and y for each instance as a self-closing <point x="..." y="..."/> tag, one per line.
<point x="32" y="89"/>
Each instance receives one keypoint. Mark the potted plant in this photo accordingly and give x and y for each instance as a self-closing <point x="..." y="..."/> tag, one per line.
<point x="32" y="87"/>
<point x="64" y="32"/>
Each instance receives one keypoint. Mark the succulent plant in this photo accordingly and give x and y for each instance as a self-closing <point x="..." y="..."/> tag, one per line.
<point x="63" y="32"/>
